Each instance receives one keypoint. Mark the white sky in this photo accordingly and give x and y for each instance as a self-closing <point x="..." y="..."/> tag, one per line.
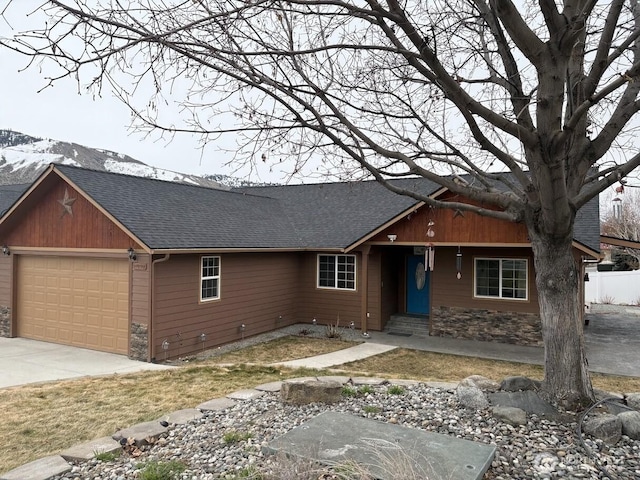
<point x="60" y="113"/>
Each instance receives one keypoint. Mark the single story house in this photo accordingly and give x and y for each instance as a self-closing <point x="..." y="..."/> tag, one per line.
<point x="155" y="269"/>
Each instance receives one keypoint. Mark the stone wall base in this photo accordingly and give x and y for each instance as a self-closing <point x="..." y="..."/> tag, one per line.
<point x="486" y="325"/>
<point x="5" y="321"/>
<point x="139" y="342"/>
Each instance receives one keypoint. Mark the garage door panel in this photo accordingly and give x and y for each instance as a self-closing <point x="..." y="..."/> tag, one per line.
<point x="75" y="301"/>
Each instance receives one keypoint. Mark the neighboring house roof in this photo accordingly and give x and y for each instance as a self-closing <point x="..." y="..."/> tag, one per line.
<point x="167" y="216"/>
<point x="9" y="194"/>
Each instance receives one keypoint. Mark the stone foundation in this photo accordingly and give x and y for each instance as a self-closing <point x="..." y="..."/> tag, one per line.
<point x="5" y="321"/>
<point x="487" y="325"/>
<point x="139" y="342"/>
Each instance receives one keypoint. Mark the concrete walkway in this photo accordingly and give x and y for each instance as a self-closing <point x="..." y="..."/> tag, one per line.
<point x="24" y="361"/>
<point x="612" y="344"/>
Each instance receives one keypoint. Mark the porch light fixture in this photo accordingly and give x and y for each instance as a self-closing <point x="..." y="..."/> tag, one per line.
<point x="314" y="322"/>
<point x="392" y="237"/>
<point x="5" y="250"/>
<point x="132" y="254"/>
<point x="586" y="276"/>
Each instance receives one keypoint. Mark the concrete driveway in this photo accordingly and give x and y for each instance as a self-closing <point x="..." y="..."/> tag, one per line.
<point x="613" y="339"/>
<point x="24" y="361"/>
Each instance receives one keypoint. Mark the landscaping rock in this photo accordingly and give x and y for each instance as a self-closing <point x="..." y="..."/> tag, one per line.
<point x="471" y="397"/>
<point x="630" y="424"/>
<point x="633" y="400"/>
<point x="483" y="383"/>
<point x="527" y="400"/>
<point x="311" y="391"/>
<point x="606" y="427"/>
<point x="516" y="384"/>
<point x="511" y="415"/>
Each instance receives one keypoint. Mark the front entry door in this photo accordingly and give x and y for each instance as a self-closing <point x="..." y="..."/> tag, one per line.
<point x="417" y="286"/>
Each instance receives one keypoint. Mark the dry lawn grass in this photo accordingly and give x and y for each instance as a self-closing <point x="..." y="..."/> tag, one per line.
<point x="45" y="419"/>
<point x="281" y="350"/>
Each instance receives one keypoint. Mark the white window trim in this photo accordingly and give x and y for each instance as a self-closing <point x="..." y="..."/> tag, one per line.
<point x="335" y="256"/>
<point x="500" y="297"/>
<point x="213" y="277"/>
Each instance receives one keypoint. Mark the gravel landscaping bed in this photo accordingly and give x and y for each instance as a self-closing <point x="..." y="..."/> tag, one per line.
<point x="228" y="443"/>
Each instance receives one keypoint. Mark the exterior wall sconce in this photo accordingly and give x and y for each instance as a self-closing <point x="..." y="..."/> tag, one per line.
<point x="132" y="254"/>
<point x="5" y="250"/>
<point x="459" y="264"/>
<point x="392" y="237"/>
<point x="314" y="322"/>
<point x="586" y="276"/>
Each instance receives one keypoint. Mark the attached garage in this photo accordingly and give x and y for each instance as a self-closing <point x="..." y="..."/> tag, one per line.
<point x="79" y="301"/>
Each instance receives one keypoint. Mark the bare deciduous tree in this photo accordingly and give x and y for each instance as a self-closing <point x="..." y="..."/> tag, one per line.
<point x="543" y="90"/>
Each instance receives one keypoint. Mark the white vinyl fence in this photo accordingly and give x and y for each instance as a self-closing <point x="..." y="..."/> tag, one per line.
<point x="620" y="288"/>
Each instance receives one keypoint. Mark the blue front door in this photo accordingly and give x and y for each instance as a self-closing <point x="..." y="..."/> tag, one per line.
<point x="417" y="286"/>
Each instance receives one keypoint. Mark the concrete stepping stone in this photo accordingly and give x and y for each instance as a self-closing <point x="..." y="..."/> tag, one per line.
<point x="442" y="385"/>
<point x="87" y="451"/>
<point x="216" y="404"/>
<point x="181" y="417"/>
<point x="41" y="469"/>
<point x="270" y="387"/>
<point x="384" y="449"/>
<point x="141" y="433"/>
<point x="373" y="381"/>
<point x="247" y="394"/>
<point x="300" y="379"/>
<point x="334" y="378"/>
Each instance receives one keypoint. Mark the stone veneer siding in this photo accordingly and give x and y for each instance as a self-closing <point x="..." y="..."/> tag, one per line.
<point x="139" y="342"/>
<point x="5" y="321"/>
<point x="486" y="325"/>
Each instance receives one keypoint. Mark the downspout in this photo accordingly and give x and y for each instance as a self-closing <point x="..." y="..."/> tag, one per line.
<point x="153" y="300"/>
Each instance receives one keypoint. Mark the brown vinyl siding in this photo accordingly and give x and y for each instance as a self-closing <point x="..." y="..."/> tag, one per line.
<point x="258" y="290"/>
<point x="449" y="227"/>
<point x="391" y="271"/>
<point x="326" y="304"/>
<point x="141" y="290"/>
<point x="447" y="290"/>
<point x="42" y="224"/>
<point x="374" y="291"/>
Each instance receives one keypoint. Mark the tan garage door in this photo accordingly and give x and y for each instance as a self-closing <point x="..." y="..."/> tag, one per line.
<point x="74" y="301"/>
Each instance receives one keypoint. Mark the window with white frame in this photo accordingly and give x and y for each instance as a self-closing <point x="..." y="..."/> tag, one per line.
<point x="337" y="271"/>
<point x="501" y="278"/>
<point x="210" y="278"/>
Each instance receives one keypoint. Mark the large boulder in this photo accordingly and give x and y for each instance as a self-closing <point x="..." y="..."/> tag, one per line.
<point x="630" y="424"/>
<point x="471" y="397"/>
<point x="311" y="391"/>
<point x="483" y="383"/>
<point x="518" y="383"/>
<point x="607" y="428"/>
<point x="633" y="400"/>
<point x="511" y="415"/>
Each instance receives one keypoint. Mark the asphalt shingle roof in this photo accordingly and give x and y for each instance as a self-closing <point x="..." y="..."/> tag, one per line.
<point x="166" y="215"/>
<point x="9" y="194"/>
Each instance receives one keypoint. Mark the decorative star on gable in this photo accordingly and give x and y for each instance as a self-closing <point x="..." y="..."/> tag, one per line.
<point x="66" y="203"/>
<point x="458" y="213"/>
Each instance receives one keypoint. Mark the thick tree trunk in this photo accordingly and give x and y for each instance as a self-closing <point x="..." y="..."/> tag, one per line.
<point x="566" y="379"/>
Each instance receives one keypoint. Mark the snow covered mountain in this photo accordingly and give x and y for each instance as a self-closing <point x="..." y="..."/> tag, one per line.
<point x="23" y="158"/>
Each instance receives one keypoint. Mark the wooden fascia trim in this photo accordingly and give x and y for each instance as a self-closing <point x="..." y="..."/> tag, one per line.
<point x="25" y="194"/>
<point x="204" y="250"/>
<point x="103" y="211"/>
<point x="619" y="242"/>
<point x="589" y="251"/>
<point x="384" y="226"/>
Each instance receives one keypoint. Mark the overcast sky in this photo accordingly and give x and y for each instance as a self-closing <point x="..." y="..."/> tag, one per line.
<point x="60" y="113"/>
